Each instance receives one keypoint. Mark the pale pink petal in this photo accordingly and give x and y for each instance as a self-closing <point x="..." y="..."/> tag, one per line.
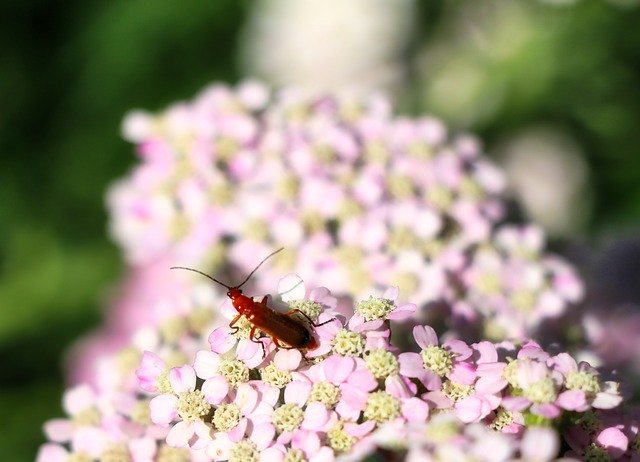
<point x="315" y="417"/>
<point x="353" y="397"/>
<point x="614" y="441"/>
<point x="237" y="432"/>
<point x="337" y="368"/>
<point x="411" y="364"/>
<point x="52" y="453"/>
<point x="472" y="409"/>
<point x="221" y="341"/>
<point x="461" y="349"/>
<point x="362" y="379"/>
<point x="77" y="399"/>
<point x="206" y="364"/>
<point x="403" y="312"/>
<point x="307" y="441"/>
<point x="463" y="373"/>
<point x="215" y="389"/>
<point x="359" y="430"/>
<point x="425" y="336"/>
<point x="391" y="293"/>
<point x="487" y="352"/>
<point x="91" y="440"/>
<point x="573" y="400"/>
<point x="287" y="360"/>
<point x="606" y="400"/>
<point x="291" y="287"/>
<point x="297" y="392"/>
<point x="142" y="449"/>
<point x="565" y="363"/>
<point x="515" y="403"/>
<point x="540" y="444"/>
<point x="180" y="435"/>
<point x="182" y="379"/>
<point x="415" y="410"/>
<point x="246" y="398"/>
<point x="550" y="411"/>
<point x="151" y="366"/>
<point x="272" y="454"/>
<point x="395" y="386"/>
<point x="163" y="409"/>
<point x="219" y="448"/>
<point x="262" y="435"/>
<point x="59" y="430"/>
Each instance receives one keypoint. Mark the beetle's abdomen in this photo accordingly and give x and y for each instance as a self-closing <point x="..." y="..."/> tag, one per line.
<point x="283" y="328"/>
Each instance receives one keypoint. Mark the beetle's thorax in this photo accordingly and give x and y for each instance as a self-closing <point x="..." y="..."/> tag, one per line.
<point x="240" y="302"/>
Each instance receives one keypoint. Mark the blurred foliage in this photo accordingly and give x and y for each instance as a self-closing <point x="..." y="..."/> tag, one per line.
<point x="70" y="70"/>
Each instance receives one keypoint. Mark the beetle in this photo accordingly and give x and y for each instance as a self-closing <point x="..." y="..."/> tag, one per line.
<point x="285" y="331"/>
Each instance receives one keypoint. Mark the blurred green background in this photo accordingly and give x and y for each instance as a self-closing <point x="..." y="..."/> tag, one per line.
<point x="70" y="70"/>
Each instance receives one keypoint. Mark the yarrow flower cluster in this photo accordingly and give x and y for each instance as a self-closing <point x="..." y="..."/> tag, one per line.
<point x="359" y="198"/>
<point x="239" y="401"/>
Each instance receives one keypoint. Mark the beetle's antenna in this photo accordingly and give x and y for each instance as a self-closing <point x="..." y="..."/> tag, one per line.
<point x="200" y="272"/>
<point x="259" y="264"/>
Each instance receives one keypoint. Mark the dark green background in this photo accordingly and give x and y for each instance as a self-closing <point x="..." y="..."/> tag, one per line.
<point x="70" y="70"/>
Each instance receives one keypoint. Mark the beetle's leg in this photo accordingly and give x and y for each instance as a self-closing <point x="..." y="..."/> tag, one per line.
<point x="232" y="324"/>
<point x="264" y="300"/>
<point x="295" y="310"/>
<point x="254" y="339"/>
<point x="280" y="345"/>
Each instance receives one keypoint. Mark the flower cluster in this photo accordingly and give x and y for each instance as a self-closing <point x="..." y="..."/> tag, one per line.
<point x="359" y="198"/>
<point x="245" y="398"/>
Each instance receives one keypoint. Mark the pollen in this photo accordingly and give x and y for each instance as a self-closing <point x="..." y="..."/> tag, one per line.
<point x="381" y="407"/>
<point x="407" y="283"/>
<point x="199" y="320"/>
<point x="226" y="416"/>
<point x="141" y="414"/>
<point x="169" y="454"/>
<point x="399" y="186"/>
<point x="325" y="393"/>
<point x="116" y="453"/>
<point x="79" y="457"/>
<point x="595" y="453"/>
<point x="128" y="359"/>
<point x="501" y="420"/>
<point x="441" y="428"/>
<point x="87" y="417"/>
<point x="234" y="371"/>
<point x="256" y="230"/>
<point x="243" y="328"/>
<point x="192" y="406"/>
<point x="244" y="451"/>
<point x="437" y="360"/>
<point x="288" y="187"/>
<point x="543" y="391"/>
<point x="163" y="383"/>
<point x="288" y="417"/>
<point x="509" y="373"/>
<point x="488" y="283"/>
<point x="340" y="440"/>
<point x="456" y="391"/>
<point x="173" y="328"/>
<point x="585" y="381"/>
<point x="308" y="307"/>
<point x="294" y="455"/>
<point x="349" y="208"/>
<point x="401" y="239"/>
<point x="348" y="343"/>
<point x="382" y="363"/>
<point x="375" y="308"/>
<point x="523" y="300"/>
<point x="439" y="197"/>
<point x="274" y="376"/>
